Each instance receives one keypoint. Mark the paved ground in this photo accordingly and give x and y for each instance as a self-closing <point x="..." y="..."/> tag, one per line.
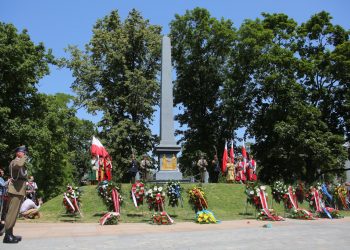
<point x="245" y="234"/>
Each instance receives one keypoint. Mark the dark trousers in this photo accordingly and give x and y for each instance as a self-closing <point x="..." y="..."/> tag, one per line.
<point x="215" y="177"/>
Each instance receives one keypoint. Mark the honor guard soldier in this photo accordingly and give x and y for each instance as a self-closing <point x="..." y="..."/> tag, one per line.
<point x="16" y="192"/>
<point x="202" y="165"/>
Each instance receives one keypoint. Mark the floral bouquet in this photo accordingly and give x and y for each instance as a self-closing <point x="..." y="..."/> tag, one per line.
<point x="155" y="197"/>
<point x="174" y="193"/>
<point x="279" y="191"/>
<point x="197" y="199"/>
<point x="162" y="218"/>
<point x="110" y="218"/>
<point x="263" y="215"/>
<point x="301" y="214"/>
<point x="105" y="190"/>
<point x="286" y="199"/>
<point x="299" y="192"/>
<point x="71" y="200"/>
<point x="206" y="217"/>
<point x="253" y="194"/>
<point x="340" y="195"/>
<point x="333" y="212"/>
<point x="310" y="197"/>
<point x="138" y="193"/>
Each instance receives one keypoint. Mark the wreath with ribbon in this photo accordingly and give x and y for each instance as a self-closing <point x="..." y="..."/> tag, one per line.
<point x="197" y="199"/>
<point x="105" y="190"/>
<point x="174" y="191"/>
<point x="340" y="197"/>
<point x="155" y="197"/>
<point x="137" y="193"/>
<point x="72" y="200"/>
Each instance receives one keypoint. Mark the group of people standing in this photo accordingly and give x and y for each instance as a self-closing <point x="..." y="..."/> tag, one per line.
<point x="240" y="172"/>
<point x="143" y="168"/>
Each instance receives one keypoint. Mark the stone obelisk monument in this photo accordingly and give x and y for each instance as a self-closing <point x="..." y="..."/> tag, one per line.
<point x="167" y="149"/>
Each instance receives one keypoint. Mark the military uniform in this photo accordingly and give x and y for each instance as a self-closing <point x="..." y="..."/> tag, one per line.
<point x="133" y="170"/>
<point x="16" y="192"/>
<point x="144" y="166"/>
<point x="202" y="164"/>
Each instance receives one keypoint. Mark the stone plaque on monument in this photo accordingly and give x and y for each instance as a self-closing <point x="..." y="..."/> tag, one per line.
<point x="167" y="149"/>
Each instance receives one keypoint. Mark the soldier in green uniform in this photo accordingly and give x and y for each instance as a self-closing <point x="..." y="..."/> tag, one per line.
<point x="16" y="192"/>
<point x="202" y="165"/>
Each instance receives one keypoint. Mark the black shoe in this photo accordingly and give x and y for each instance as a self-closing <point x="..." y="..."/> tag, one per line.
<point x="9" y="239"/>
<point x="10" y="232"/>
<point x="18" y="238"/>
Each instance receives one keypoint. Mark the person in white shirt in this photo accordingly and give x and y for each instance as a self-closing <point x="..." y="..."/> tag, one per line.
<point x="31" y="188"/>
<point x="29" y="209"/>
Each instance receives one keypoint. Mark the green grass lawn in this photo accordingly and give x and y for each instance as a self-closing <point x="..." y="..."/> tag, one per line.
<point x="227" y="201"/>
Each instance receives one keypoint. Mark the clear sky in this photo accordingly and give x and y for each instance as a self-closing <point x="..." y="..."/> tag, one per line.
<point x="58" y="23"/>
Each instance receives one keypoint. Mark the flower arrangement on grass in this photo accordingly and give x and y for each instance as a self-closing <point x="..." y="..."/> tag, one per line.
<point x="161" y="218"/>
<point x="71" y="200"/>
<point x="279" y="191"/>
<point x="155" y="197"/>
<point x="263" y="216"/>
<point x="332" y="211"/>
<point x="299" y="192"/>
<point x="137" y="193"/>
<point x="310" y="197"/>
<point x="340" y="194"/>
<point x="110" y="218"/>
<point x="105" y="189"/>
<point x="253" y="194"/>
<point x="301" y="214"/>
<point x="174" y="190"/>
<point x="205" y="217"/>
<point x="197" y="199"/>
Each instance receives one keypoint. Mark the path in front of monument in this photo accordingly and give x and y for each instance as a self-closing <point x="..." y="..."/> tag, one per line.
<point x="242" y="234"/>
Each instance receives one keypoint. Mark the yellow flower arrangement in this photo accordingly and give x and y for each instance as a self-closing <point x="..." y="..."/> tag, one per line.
<point x="206" y="216"/>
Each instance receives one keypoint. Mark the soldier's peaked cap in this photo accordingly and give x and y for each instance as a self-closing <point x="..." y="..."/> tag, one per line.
<point x="21" y="149"/>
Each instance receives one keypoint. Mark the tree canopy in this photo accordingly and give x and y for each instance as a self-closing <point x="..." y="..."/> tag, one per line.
<point x="286" y="83"/>
<point x="117" y="75"/>
<point x="57" y="140"/>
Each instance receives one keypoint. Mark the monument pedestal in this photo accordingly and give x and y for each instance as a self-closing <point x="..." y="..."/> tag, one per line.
<point x="168" y="163"/>
<point x="166" y="175"/>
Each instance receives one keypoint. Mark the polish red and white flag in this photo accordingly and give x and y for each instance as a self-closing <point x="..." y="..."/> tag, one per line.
<point x="224" y="159"/>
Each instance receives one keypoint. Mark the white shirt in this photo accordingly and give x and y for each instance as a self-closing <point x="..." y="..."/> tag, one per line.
<point x="28" y="204"/>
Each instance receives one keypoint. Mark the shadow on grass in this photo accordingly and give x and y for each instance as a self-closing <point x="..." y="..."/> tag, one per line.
<point x="135" y="215"/>
<point x="173" y="215"/>
<point x="99" y="214"/>
<point x="245" y="213"/>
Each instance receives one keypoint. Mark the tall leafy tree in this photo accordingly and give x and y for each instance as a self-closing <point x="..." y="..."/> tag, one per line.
<point x="200" y="48"/>
<point x="292" y="137"/>
<point x="59" y="145"/>
<point x="340" y="59"/>
<point x="22" y="65"/>
<point x="117" y="75"/>
<point x="318" y="40"/>
<point x="56" y="138"/>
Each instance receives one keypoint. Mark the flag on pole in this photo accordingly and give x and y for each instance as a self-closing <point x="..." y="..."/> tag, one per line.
<point x="104" y="161"/>
<point x="244" y="153"/>
<point x="97" y="149"/>
<point x="224" y="159"/>
<point x="232" y="154"/>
